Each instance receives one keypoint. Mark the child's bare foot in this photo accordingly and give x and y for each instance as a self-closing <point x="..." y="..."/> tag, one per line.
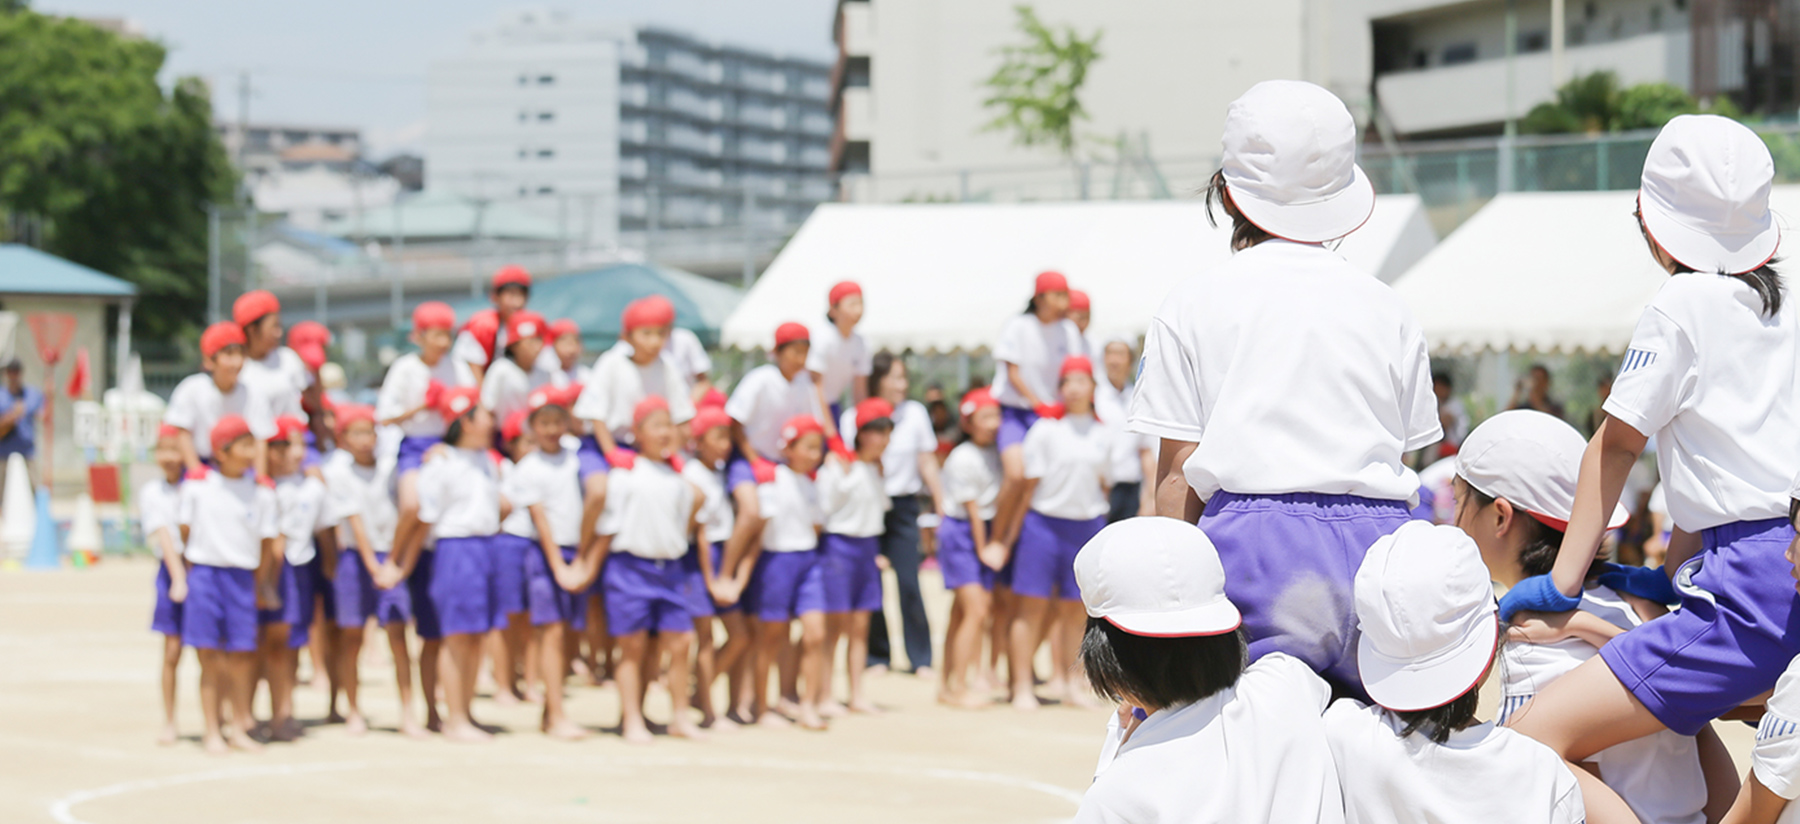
<point x="924" y="672"/>
<point x="169" y="736"/>
<point x="241" y="742"/>
<point x="863" y="706"/>
<point x="962" y="700"/>
<point x="566" y="730"/>
<point x="833" y="709"/>
<point x="740" y="717"/>
<point x="719" y="723"/>
<point x="467" y="734"/>
<point x="215" y="745"/>
<point x="789" y="707"/>
<point x="1080" y="699"/>
<point x="506" y="698"/>
<point x="411" y="729"/>
<point x="773" y="720"/>
<point x="1025" y="702"/>
<point x="686" y="729"/>
<point x="356" y="724"/>
<point x="877" y="669"/>
<point x="636" y="734"/>
<point x="810" y="719"/>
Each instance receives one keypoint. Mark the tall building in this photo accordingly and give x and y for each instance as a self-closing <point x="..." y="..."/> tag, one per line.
<point x="639" y="140"/>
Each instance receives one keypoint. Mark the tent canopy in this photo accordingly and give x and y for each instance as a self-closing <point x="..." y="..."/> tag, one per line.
<point x="595" y="298"/>
<point x="945" y="277"/>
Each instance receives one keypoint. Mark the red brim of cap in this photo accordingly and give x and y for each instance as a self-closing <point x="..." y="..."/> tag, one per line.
<point x="312" y="354"/>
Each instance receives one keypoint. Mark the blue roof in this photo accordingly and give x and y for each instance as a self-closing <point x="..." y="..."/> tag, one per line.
<point x="27" y="271"/>
<point x="594" y="298"/>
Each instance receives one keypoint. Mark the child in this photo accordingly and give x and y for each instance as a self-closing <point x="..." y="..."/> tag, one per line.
<point x="200" y="401"/>
<point x="641" y="538"/>
<point x="273" y="371"/>
<point x="228" y="534"/>
<point x="1284" y="332"/>
<point x="157" y="502"/>
<point x="625" y="375"/>
<point x="364" y="489"/>
<point x="1774" y="780"/>
<point x="854" y="497"/>
<point x="1515" y="485"/>
<point x="785" y="579"/>
<point x="512" y="650"/>
<point x="545" y="484"/>
<point x="760" y="406"/>
<point x="1065" y="481"/>
<point x="562" y="358"/>
<point x="1201" y="739"/>
<point x="409" y="398"/>
<point x="306" y="522"/>
<point x="485" y="335"/>
<point x="509" y="380"/>
<point x="1028" y="357"/>
<point x="715" y="520"/>
<point x="840" y="360"/>
<point x="1429" y="639"/>
<point x="972" y="485"/>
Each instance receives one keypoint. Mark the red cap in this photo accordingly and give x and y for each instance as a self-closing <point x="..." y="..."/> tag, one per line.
<point x="708" y="418"/>
<point x="1075" y="363"/>
<point x="308" y="339"/>
<point x="253" y="305"/>
<point x="525" y="324"/>
<point x="647" y="407"/>
<point x="287" y="427"/>
<point x="350" y="413"/>
<point x="514" y="425"/>
<point x="228" y="429"/>
<point x="455" y="403"/>
<point x="484" y="327"/>
<point x="712" y="398"/>
<point x="798" y="426"/>
<point x="511" y="275"/>
<point x="976" y="399"/>
<point x="562" y="327"/>
<point x="844" y="289"/>
<point x="167" y="431"/>
<point x="654" y="310"/>
<point x="1078" y="301"/>
<point x="789" y="333"/>
<point x="433" y="315"/>
<point x="220" y="335"/>
<point x="872" y="409"/>
<point x="1051" y="282"/>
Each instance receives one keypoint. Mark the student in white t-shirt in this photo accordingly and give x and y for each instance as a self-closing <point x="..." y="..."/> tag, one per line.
<point x="307" y="517"/>
<point x="507" y="385"/>
<point x="1066" y="464"/>
<point x="1202" y="741"/>
<point x="1429" y="639"/>
<point x="1133" y="456"/>
<point x="200" y="401"/>
<point x="1713" y="370"/>
<point x="512" y="650"/>
<point x="1027" y="360"/>
<point x="716" y="521"/>
<point x="1515" y="490"/>
<point x="855" y="500"/>
<point x="625" y="375"/>
<point x="1774" y="779"/>
<point x="971" y="489"/>
<point x="1286" y="384"/>
<point x="561" y="357"/>
<point x="763" y="401"/>
<point x="157" y="504"/>
<point x="839" y="359"/>
<point x="273" y="371"/>
<point x="409" y="398"/>
<point x="483" y="338"/>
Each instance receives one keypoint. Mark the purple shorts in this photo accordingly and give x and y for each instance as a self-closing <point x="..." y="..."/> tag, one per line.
<point x="547" y="602"/>
<point x="957" y="557"/>
<point x="852" y="580"/>
<point x="296" y="588"/>
<point x="1732" y="637"/>
<point x="357" y="599"/>
<point x="1044" y="558"/>
<point x="462" y="586"/>
<point x="589" y="460"/>
<point x="323" y="594"/>
<point x="166" y="617"/>
<point x="220" y="612"/>
<point x="510" y="552"/>
<point x="1290" y="561"/>
<point x="644" y="595"/>
<point x="717" y="548"/>
<point x="1014" y="423"/>
<point x="786" y="585"/>
<point x="418" y="594"/>
<point x="412" y="452"/>
<point x="738" y="472"/>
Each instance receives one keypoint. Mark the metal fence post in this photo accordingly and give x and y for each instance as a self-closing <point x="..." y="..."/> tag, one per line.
<point x="1602" y="170"/>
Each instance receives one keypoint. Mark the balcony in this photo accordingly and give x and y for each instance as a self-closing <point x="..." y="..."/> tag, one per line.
<point x="859" y="30"/>
<point x="858" y="114"/>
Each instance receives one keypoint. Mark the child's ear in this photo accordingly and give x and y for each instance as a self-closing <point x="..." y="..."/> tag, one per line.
<point x="1503" y="509"/>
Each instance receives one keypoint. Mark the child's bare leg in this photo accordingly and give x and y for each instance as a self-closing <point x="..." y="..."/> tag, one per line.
<point x="836" y="625"/>
<point x="789" y="664"/>
<point x="550" y="647"/>
<point x="1721" y="774"/>
<point x="403" y="682"/>
<point x="705" y="672"/>
<point x="430" y="661"/>
<point x="1071" y="623"/>
<point x="813" y="670"/>
<point x="171" y="660"/>
<point x="1582" y="713"/>
<point x="600" y="643"/>
<point x="239" y="682"/>
<point x="212" y="709"/>
<point x="533" y="658"/>
<point x="856" y="662"/>
<point x="345" y="676"/>
<point x="322" y="644"/>
<point x="1053" y="635"/>
<point x="962" y="647"/>
<point x="678" y="646"/>
<point x="275" y="664"/>
<point x="736" y="660"/>
<point x="459" y="688"/>
<point x="1027" y="623"/>
<point x="771" y="638"/>
<point x="999" y="634"/>
<point x="630" y="676"/>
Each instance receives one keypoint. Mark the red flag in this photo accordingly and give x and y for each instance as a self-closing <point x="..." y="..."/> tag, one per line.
<point x="78" y="377"/>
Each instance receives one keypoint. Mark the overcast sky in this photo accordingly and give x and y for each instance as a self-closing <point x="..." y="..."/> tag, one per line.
<point x="363" y="62"/>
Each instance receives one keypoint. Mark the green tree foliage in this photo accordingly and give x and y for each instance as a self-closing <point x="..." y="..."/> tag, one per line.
<point x="118" y="172"/>
<point x="1595" y="103"/>
<point x="1037" y="88"/>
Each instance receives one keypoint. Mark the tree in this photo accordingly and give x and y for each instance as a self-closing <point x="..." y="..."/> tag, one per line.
<point x="118" y="172"/>
<point x="1037" y="88"/>
<point x="1595" y="103"/>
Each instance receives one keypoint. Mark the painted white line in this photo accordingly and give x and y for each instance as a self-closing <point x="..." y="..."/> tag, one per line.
<point x="63" y="809"/>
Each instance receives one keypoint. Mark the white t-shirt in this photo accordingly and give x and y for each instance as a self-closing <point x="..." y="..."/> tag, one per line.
<point x="467" y="350"/>
<point x="1068" y="459"/>
<point x="838" y="360"/>
<point x="367" y="491"/>
<point x="854" y="498"/>
<point x="197" y="404"/>
<point x="550" y="481"/>
<point x="684" y="350"/>
<point x="648" y="510"/>
<point x="306" y="508"/>
<point x="506" y="388"/>
<point x="764" y="401"/>
<point x="972" y="473"/>
<point x="459" y="494"/>
<point x="1113" y="406"/>
<point x="403" y="390"/>
<point x="716" y="516"/>
<point x="227" y="520"/>
<point x="1293" y="371"/>
<point x="912" y="437"/>
<point x="1718" y="384"/>
<point x="550" y="363"/>
<point x="280" y="377"/>
<point x="1776" y="757"/>
<point x="159" y="507"/>
<point x="1658" y="775"/>
<point x="1459" y="421"/>
<point x="1253" y="752"/>
<point x="617" y="385"/>
<point x="790" y="506"/>
<point x="1038" y="349"/>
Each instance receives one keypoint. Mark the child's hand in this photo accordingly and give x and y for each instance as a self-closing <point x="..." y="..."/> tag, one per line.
<point x="722" y="592"/>
<point x="437" y="450"/>
<point x="572" y="577"/>
<point x="178" y="591"/>
<point x="993" y="555"/>
<point x="267" y="598"/>
<point x="1540" y="627"/>
<point x="882" y="563"/>
<point x="387" y="576"/>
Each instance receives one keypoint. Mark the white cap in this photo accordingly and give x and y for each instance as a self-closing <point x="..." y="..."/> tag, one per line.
<point x="1159" y="577"/>
<point x="1532" y="460"/>
<point x="1428" y="618"/>
<point x="1705" y="195"/>
<point x="1290" y="162"/>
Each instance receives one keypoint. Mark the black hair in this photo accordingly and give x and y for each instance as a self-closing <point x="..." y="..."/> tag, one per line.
<point x="1244" y="234"/>
<point x="1161" y="672"/>
<point x="1793" y="510"/>
<point x="1765" y="280"/>
<point x="1437" y="723"/>
<point x="549" y="407"/>
<point x="1031" y="306"/>
<point x="1443" y="378"/>
<point x="880" y="366"/>
<point x="1542" y="541"/>
<point x="453" y="435"/>
<point x="1539" y="367"/>
<point x="877" y="425"/>
<point x="519" y="286"/>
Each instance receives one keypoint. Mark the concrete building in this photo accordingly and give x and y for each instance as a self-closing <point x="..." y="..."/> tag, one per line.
<point x="265" y="148"/>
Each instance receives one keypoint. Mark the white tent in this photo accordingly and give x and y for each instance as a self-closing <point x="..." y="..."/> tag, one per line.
<point x="946" y="276"/>
<point x="1542" y="271"/>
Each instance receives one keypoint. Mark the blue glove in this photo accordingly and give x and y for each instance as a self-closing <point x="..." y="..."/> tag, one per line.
<point x="1537" y="593"/>
<point x="1644" y="582"/>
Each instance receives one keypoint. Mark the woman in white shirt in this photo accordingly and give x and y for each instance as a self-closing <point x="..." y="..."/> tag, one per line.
<point x="1713" y="371"/>
<point x="1065" y="480"/>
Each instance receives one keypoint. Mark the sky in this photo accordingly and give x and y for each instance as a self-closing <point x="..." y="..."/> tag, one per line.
<point x="363" y="63"/>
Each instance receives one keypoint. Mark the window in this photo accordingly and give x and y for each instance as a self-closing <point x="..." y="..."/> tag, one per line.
<point x="523" y="79"/>
<point x="546" y="80"/>
<point x="522" y="153"/>
<point x="546" y="154"/>
<point x="1459" y="53"/>
<point x="1656" y="18"/>
<point x="523" y="191"/>
<point x="546" y="117"/>
<point x="524" y="116"/>
<point x="1533" y="41"/>
<point x="546" y="190"/>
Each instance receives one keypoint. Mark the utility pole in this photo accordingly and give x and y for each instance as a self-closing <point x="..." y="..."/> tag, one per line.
<point x="245" y="202"/>
<point x="749" y="234"/>
<point x="1505" y="161"/>
<point x="214" y="263"/>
